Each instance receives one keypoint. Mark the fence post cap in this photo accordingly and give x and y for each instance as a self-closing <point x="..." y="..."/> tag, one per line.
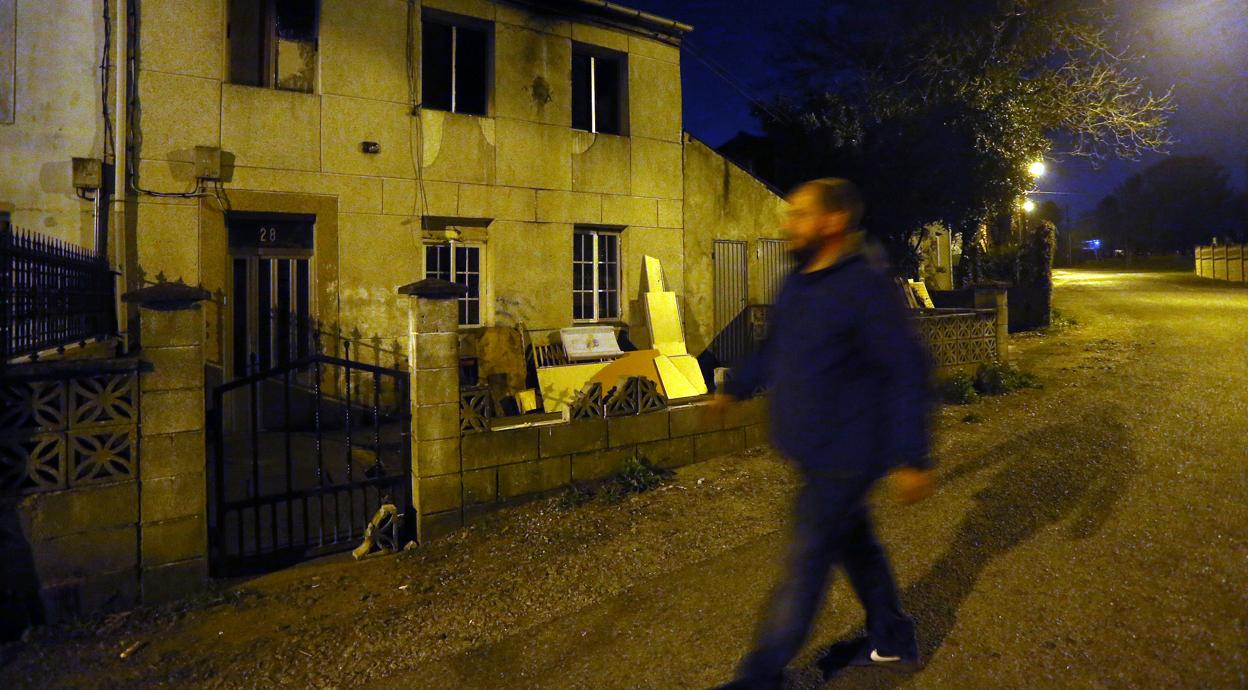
<point x="434" y="288"/>
<point x="166" y="296"/>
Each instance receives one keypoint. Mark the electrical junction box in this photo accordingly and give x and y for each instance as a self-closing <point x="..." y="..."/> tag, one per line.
<point x="207" y="163"/>
<point x="88" y="173"/>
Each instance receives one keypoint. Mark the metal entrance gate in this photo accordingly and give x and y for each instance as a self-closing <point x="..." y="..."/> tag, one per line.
<point x="732" y="328"/>
<point x="323" y="445"/>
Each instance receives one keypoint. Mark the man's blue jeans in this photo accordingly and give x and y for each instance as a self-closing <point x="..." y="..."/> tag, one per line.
<point x="832" y="527"/>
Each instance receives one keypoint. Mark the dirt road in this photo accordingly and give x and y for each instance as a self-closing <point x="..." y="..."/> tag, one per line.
<point x="1093" y="533"/>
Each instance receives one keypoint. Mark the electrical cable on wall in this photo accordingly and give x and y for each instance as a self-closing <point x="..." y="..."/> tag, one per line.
<point x="727" y="78"/>
<point x="416" y="154"/>
<point x="132" y="110"/>
<point x="106" y="67"/>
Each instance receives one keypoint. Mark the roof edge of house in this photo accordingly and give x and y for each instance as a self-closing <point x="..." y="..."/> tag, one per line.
<point x="764" y="183"/>
<point x="621" y="14"/>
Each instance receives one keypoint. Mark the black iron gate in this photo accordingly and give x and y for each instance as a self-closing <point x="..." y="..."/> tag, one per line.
<point x="304" y="455"/>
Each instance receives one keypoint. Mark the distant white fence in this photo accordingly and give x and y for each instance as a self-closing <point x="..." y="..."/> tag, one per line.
<point x="1223" y="262"/>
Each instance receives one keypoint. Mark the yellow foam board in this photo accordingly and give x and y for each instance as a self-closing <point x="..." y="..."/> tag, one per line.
<point x="921" y="295"/>
<point x="663" y="320"/>
<point x="687" y="365"/>
<point x="559" y="385"/>
<point x="654" y="275"/>
<point x="675" y="385"/>
<point x="638" y="363"/>
<point x="526" y="400"/>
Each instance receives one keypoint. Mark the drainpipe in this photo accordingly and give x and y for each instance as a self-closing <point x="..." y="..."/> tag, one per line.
<point x="119" y="246"/>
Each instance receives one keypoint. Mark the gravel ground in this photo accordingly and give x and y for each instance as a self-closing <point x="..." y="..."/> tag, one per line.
<point x="1092" y="533"/>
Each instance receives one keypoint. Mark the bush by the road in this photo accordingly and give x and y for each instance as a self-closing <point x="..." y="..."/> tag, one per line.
<point x="990" y="379"/>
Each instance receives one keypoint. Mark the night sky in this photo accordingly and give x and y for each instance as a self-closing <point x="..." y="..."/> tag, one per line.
<point x="1198" y="46"/>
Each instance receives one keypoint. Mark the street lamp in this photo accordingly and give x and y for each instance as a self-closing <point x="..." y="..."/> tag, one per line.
<point x="1037" y="169"/>
<point x="1028" y="206"/>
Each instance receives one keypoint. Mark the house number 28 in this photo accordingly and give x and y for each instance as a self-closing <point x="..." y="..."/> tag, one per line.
<point x="268" y="234"/>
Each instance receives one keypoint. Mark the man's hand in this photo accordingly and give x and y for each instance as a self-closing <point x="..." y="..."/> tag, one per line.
<point x="911" y="485"/>
<point x="719" y="405"/>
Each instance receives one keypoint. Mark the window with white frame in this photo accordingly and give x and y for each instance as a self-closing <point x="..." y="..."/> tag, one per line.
<point x="598" y="89"/>
<point x="595" y="274"/>
<point x="455" y="63"/>
<point x="458" y="263"/>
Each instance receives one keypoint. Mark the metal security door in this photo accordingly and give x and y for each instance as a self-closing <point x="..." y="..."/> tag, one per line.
<point x="732" y="329"/>
<point x="774" y="263"/>
<point x="271" y="295"/>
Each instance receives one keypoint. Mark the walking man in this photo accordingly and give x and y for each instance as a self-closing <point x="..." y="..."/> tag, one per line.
<point x="848" y="382"/>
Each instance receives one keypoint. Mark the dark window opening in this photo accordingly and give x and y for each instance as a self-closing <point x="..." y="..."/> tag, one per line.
<point x="598" y="90"/>
<point x="273" y="43"/>
<point x="455" y="66"/>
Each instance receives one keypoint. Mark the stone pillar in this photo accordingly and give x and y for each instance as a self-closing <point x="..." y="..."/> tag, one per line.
<point x="995" y="298"/>
<point x="433" y="342"/>
<point x="173" y="489"/>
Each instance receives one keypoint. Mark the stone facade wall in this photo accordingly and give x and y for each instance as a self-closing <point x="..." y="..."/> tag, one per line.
<point x="521" y="171"/>
<point x="723" y="202"/>
<point x="56" y="85"/>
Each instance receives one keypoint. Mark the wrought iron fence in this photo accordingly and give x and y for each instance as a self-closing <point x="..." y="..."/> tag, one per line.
<point x="52" y="294"/>
<point x="292" y="336"/>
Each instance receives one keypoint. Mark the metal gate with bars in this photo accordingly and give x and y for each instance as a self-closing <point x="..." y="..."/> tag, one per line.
<point x="304" y="455"/>
<point x="732" y="329"/>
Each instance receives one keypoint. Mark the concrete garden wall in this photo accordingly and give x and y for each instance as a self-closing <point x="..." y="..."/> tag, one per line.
<point x="496" y="468"/>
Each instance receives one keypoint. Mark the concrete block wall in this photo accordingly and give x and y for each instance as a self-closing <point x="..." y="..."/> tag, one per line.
<point x="173" y="487"/>
<point x="69" y="553"/>
<point x="435" y="437"/>
<point x="500" y="468"/>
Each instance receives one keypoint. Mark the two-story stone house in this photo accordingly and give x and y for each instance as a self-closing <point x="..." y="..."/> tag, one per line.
<point x="310" y="158"/>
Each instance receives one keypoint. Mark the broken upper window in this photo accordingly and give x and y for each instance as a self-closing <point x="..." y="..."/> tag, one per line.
<point x="458" y="263"/>
<point x="273" y="43"/>
<point x="595" y="275"/>
<point x="455" y="63"/>
<point x="598" y="89"/>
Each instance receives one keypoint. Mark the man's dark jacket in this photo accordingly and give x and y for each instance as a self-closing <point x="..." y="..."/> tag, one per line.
<point x="847" y="376"/>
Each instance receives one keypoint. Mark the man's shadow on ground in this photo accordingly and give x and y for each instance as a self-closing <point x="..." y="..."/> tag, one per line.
<point x="1042" y="477"/>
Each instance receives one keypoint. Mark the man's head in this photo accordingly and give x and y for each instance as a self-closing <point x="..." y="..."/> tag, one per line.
<point x="821" y="211"/>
